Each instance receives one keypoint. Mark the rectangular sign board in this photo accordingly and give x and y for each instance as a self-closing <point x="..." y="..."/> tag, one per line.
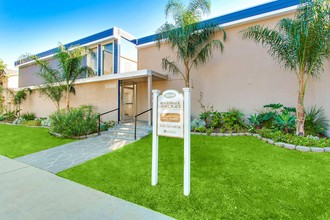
<point x="170" y="114"/>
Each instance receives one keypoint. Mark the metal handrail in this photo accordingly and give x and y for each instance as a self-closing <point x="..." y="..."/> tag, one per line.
<point x="135" y="119"/>
<point x="104" y="113"/>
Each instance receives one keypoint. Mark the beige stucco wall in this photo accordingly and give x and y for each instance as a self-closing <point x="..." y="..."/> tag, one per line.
<point x="244" y="76"/>
<point x="102" y="95"/>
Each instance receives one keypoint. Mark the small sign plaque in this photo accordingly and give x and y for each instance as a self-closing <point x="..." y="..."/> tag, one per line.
<point x="170" y="114"/>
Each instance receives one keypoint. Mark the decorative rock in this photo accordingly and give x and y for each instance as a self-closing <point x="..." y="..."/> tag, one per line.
<point x="303" y="148"/>
<point x="248" y="134"/>
<point x="234" y="134"/>
<point x="256" y="135"/>
<point x="241" y="134"/>
<point x="279" y="144"/>
<point x="327" y="149"/>
<point x="317" y="149"/>
<point x="289" y="146"/>
<point x="270" y="141"/>
<point x="227" y="135"/>
<point x="264" y="139"/>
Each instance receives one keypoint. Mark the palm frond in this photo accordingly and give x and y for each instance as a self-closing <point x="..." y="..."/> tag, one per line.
<point x="200" y="7"/>
<point x="172" y="67"/>
<point x="206" y="52"/>
<point x="278" y="45"/>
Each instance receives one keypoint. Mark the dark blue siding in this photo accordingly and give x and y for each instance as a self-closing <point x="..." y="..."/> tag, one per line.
<point x="99" y="51"/>
<point x="116" y="57"/>
<point x="82" y="41"/>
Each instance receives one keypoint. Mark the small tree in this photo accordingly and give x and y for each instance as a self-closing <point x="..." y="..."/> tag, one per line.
<point x="2" y="65"/>
<point x="2" y="77"/>
<point x="63" y="78"/>
<point x="52" y="87"/>
<point x="18" y="98"/>
<point x="301" y="44"/>
<point x="2" y="100"/>
<point x="193" y="42"/>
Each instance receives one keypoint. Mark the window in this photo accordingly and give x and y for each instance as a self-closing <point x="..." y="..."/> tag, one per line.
<point x="92" y="60"/>
<point x="108" y="59"/>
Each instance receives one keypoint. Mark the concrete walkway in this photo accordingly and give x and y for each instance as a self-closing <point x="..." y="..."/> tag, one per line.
<point x="27" y="192"/>
<point x="63" y="157"/>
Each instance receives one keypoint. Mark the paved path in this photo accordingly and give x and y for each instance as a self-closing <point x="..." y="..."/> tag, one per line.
<point x="27" y="192"/>
<point x="63" y="157"/>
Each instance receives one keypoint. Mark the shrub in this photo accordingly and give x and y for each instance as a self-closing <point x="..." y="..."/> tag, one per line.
<point x="45" y="122"/>
<point x="309" y="141"/>
<point x="28" y="116"/>
<point x="9" y="116"/>
<point x="32" y="123"/>
<point x="316" y="123"/>
<point x="274" y="115"/>
<point x="285" y="122"/>
<point x="76" y="122"/>
<point x="18" y="121"/>
<point x="201" y="129"/>
<point x="233" y="120"/>
<point x="197" y="123"/>
<point x="106" y="125"/>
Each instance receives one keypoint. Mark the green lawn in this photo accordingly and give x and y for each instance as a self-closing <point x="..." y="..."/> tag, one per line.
<point x="17" y="141"/>
<point x="231" y="178"/>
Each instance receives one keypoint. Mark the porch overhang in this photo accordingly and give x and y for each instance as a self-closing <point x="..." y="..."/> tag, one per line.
<point x="134" y="76"/>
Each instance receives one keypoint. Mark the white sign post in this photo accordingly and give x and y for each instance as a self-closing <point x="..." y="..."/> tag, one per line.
<point x="171" y="118"/>
<point x="154" y="171"/>
<point x="187" y="113"/>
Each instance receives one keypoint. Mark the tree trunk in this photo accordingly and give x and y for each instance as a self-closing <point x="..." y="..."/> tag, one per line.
<point x="300" y="122"/>
<point x="67" y="99"/>
<point x="187" y="74"/>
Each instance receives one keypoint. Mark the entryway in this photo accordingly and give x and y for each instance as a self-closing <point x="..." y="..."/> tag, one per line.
<point x="128" y="101"/>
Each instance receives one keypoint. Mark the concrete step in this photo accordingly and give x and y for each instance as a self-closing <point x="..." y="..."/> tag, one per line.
<point x="125" y="131"/>
<point x="123" y="126"/>
<point x="130" y="131"/>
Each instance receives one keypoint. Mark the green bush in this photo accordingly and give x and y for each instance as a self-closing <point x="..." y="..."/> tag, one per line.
<point x="31" y="123"/>
<point x="285" y="122"/>
<point x="28" y="116"/>
<point x="197" y="123"/>
<point x="310" y="141"/>
<point x="106" y="125"/>
<point x="274" y="116"/>
<point x="316" y="123"/>
<point x="76" y="122"/>
<point x="9" y="116"/>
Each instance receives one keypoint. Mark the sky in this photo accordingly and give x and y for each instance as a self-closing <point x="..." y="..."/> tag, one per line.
<point x="37" y="25"/>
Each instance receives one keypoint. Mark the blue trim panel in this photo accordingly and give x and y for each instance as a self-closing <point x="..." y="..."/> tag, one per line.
<point x="257" y="10"/>
<point x="94" y="37"/>
<point x="99" y="51"/>
<point x="118" y="100"/>
<point x="116" y="57"/>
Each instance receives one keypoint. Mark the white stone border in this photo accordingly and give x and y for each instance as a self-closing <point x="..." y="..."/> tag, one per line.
<point x="270" y="141"/>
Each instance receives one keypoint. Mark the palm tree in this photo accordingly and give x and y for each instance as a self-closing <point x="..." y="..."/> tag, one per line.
<point x="63" y="78"/>
<point x="2" y="65"/>
<point x="192" y="41"/>
<point x="301" y="44"/>
<point x="18" y="98"/>
<point x="52" y="86"/>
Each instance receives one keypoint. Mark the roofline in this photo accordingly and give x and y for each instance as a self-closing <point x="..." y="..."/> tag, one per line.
<point x="221" y="20"/>
<point x="235" y="16"/>
<point x="92" y="39"/>
<point x="242" y="21"/>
